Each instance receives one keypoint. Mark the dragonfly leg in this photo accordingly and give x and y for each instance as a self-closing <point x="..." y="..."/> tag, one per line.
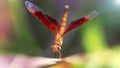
<point x="58" y="54"/>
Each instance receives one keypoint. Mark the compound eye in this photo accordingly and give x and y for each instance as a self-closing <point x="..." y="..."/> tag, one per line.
<point x="59" y="48"/>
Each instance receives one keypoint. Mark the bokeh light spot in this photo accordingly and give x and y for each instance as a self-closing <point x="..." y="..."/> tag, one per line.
<point x="117" y="2"/>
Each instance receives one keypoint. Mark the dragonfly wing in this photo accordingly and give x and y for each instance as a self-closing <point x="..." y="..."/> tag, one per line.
<point x="44" y="18"/>
<point x="81" y="21"/>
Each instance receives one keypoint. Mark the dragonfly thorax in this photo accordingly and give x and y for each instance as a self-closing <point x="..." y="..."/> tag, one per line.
<point x="58" y="40"/>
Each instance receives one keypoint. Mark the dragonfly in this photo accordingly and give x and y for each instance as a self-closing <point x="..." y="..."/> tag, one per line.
<point x="59" y="30"/>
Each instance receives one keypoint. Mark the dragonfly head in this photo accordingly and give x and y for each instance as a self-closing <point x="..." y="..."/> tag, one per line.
<point x="56" y="48"/>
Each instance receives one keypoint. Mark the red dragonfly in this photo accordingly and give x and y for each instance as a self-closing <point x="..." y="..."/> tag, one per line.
<point x="58" y="29"/>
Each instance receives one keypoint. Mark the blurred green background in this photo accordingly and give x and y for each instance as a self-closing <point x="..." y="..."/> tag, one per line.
<point x="22" y="33"/>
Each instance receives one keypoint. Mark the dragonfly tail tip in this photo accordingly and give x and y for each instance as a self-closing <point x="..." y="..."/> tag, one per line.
<point x="67" y="6"/>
